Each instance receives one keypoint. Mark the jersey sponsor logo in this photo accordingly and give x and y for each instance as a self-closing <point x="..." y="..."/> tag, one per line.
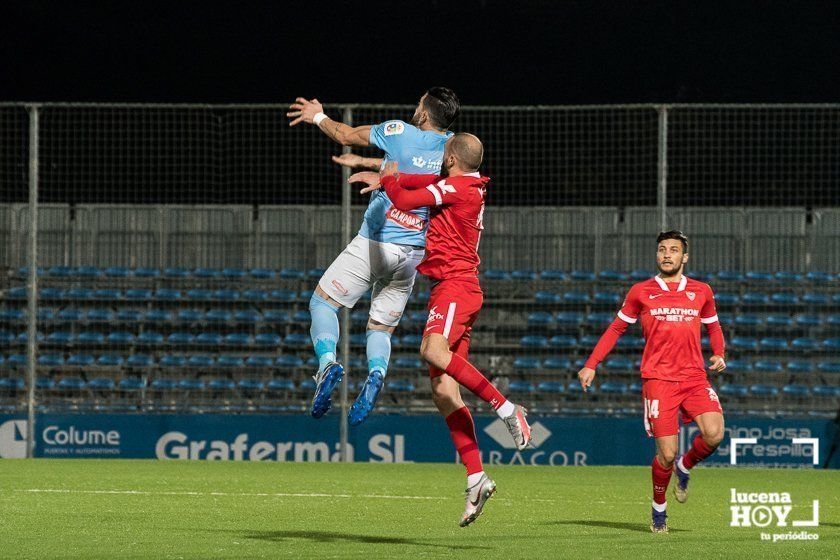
<point x="342" y="290"/>
<point x="395" y="314"/>
<point x="691" y="295"/>
<point x="405" y="219"/>
<point x="653" y="296"/>
<point x="418" y="161"/>
<point x="422" y="163"/>
<point x="393" y="128"/>
<point x="674" y="314"/>
<point x="434" y="315"/>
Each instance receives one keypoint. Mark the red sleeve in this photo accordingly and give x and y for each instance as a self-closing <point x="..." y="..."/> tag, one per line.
<point x="413" y="181"/>
<point x="405" y="200"/>
<point x="631" y="307"/>
<point x="716" y="340"/>
<point x="708" y="314"/>
<point x="606" y="342"/>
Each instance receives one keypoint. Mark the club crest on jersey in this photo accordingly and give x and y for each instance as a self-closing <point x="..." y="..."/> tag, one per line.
<point x="406" y="219"/>
<point x="712" y="395"/>
<point x="393" y="128"/>
<point x="691" y="295"/>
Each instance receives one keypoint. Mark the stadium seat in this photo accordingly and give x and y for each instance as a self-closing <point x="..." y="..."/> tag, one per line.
<point x="784" y="298"/>
<point x="238" y="339"/>
<point x="60" y="337"/>
<point x="23" y="337"/>
<point x="107" y="294"/>
<point x="202" y="272"/>
<point x="521" y="387"/>
<point x="796" y="390"/>
<point x="640" y="274"/>
<point x="255" y="295"/>
<point x="289" y="361"/>
<point x="526" y="274"/>
<point x="768" y="366"/>
<point x="773" y="344"/>
<point x="132" y="384"/>
<point x="198" y="294"/>
<point x="729" y="276"/>
<point x="748" y="321"/>
<point x="262" y="273"/>
<point x="547" y="297"/>
<point x="172" y="361"/>
<point x="630" y="341"/>
<point x="101" y="384"/>
<point x="70" y="315"/>
<point x="611" y="276"/>
<point x="818" y="277"/>
<point x="146" y="272"/>
<point x="208" y="339"/>
<point x="635" y="388"/>
<point x="226" y="295"/>
<point x="619" y="364"/>
<point x="799" y="367"/>
<point x="100" y="316"/>
<point x="570" y="318"/>
<point x="744" y="343"/>
<point x="71" y="384"/>
<point x="527" y="363"/>
<point x="755" y="298"/>
<point x="12" y="315"/>
<point x="412" y="341"/>
<point x="762" y="390"/>
<point x="226" y="361"/>
<point x="758" y="276"/>
<point x="276" y="317"/>
<point x="589" y="341"/>
<point x="831" y="345"/>
<point x="129" y="316"/>
<point x="400" y="386"/>
<point x="582" y="276"/>
<point x="164" y="385"/>
<point x="576" y="298"/>
<point x="607" y="298"/>
<point x="139" y="361"/>
<point x="298" y="341"/>
<point x="233" y="273"/>
<point x="110" y="360"/>
<point x="259" y="362"/>
<point x="200" y="361"/>
<point x="61" y="271"/>
<point x="613" y="387"/>
<point x="138" y="294"/>
<point x="167" y="294"/>
<point x="176" y="272"/>
<point x="787" y="277"/>
<point x="562" y="342"/>
<point x="180" y="338"/>
<point x="533" y="341"/>
<point x="738" y="366"/>
<point x="415" y="364"/>
<point x="726" y="299"/>
<point x="575" y="388"/>
<point x="804" y="344"/>
<point x="267" y="339"/>
<point x="808" y="321"/>
<point x="826" y="391"/>
<point x="301" y="316"/>
<point x="540" y="319"/>
<point x="187" y="316"/>
<point x="829" y="367"/>
<point x="551" y="387"/>
<point x="280" y="385"/>
<point x="833" y="321"/>
<point x="44" y="384"/>
<point x="554" y="275"/>
<point x="80" y="360"/>
<point x="120" y="337"/>
<point x="779" y="321"/>
<point x="250" y="386"/>
<point x="117" y="272"/>
<point x="557" y="364"/>
<point x="218" y="316"/>
<point x="495" y="275"/>
<point x="150" y="338"/>
<point x="51" y="360"/>
<point x="158" y="316"/>
<point x="815" y="299"/>
<point x="287" y="296"/>
<point x="191" y="385"/>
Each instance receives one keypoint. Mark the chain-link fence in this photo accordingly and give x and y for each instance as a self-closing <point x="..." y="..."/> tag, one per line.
<point x="177" y="246"/>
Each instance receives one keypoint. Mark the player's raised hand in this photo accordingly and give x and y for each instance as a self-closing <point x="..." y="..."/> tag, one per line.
<point x="586" y="376"/>
<point x="348" y="160"/>
<point x="716" y="364"/>
<point x="371" y="178"/>
<point x="303" y="110"/>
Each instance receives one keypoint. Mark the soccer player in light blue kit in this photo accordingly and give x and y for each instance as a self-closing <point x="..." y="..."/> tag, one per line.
<point x="388" y="248"/>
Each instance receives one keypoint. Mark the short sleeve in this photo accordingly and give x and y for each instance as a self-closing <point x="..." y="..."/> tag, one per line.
<point x="386" y="134"/>
<point x="630" y="309"/>
<point x="708" y="314"/>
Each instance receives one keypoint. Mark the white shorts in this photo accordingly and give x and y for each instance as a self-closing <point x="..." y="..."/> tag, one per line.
<point x="387" y="267"/>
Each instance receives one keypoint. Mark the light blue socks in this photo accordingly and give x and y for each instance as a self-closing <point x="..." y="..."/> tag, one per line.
<point x="324" y="330"/>
<point x="378" y="350"/>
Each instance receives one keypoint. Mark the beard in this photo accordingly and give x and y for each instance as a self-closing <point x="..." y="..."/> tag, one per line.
<point x="416" y="120"/>
<point x="444" y="170"/>
<point x="670" y="270"/>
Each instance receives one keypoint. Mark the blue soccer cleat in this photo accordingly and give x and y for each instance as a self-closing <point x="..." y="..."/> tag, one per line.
<point x="367" y="398"/>
<point x="681" y="487"/>
<point x="658" y="524"/>
<point x="326" y="380"/>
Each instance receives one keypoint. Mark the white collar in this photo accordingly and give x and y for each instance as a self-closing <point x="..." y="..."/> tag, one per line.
<point x="473" y="174"/>
<point x="664" y="285"/>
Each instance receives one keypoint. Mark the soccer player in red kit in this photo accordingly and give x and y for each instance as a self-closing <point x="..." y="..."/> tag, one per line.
<point x="674" y="383"/>
<point x="456" y="200"/>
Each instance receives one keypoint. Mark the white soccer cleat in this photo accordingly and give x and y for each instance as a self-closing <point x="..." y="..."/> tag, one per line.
<point x="477" y="496"/>
<point x="518" y="427"/>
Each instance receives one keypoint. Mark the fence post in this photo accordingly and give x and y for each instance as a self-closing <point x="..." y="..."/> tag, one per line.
<point x="662" y="169"/>
<point x="346" y="216"/>
<point x="32" y="280"/>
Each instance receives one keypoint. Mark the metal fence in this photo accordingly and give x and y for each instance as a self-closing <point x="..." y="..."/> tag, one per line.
<point x="193" y="199"/>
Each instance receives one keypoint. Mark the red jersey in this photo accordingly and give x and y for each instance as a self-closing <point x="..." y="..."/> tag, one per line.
<point x="671" y="316"/>
<point x="456" y="209"/>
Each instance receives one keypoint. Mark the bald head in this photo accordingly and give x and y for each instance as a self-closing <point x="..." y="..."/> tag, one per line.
<point x="467" y="151"/>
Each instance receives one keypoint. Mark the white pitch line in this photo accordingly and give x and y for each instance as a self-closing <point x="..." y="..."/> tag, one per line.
<point x="231" y="494"/>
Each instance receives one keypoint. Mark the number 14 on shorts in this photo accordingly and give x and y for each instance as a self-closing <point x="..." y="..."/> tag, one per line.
<point x="651" y="408"/>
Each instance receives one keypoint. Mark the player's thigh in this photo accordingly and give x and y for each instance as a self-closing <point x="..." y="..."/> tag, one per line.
<point x="711" y="426"/>
<point x="661" y="408"/>
<point x="349" y="276"/>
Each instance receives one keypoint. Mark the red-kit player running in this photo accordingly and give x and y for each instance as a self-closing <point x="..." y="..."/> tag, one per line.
<point x="672" y="307"/>
<point x="456" y="199"/>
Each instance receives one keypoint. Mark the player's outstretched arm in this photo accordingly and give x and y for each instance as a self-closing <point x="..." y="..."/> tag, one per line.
<point x="311" y="111"/>
<point x="354" y="161"/>
<point x="605" y="345"/>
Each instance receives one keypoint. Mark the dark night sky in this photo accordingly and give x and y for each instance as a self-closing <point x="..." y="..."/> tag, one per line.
<point x="373" y="51"/>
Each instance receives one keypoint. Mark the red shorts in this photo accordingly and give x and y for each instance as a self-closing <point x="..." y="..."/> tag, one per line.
<point x="453" y="308"/>
<point x="665" y="400"/>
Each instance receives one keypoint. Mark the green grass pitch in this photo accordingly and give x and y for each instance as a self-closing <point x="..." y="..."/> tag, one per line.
<point x="158" y="509"/>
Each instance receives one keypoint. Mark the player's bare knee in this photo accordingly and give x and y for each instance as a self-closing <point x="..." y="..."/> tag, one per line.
<point x="666" y="457"/>
<point x="434" y="354"/>
<point x="713" y="436"/>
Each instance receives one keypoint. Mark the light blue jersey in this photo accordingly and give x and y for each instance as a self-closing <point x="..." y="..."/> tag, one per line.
<point x="415" y="151"/>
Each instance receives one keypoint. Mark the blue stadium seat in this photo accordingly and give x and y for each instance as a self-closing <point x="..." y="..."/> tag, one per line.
<point x="167" y="294"/>
<point x="60" y="337"/>
<point x="733" y="390"/>
<point x="164" y="385"/>
<point x="569" y="318"/>
<point x="12" y="385"/>
<point x="540" y="319"/>
<point x="359" y="317"/>
<point x="562" y="342"/>
<point x="267" y="339"/>
<point x="289" y="361"/>
<point x="203" y="272"/>
<point x="277" y="317"/>
<point x="412" y="341"/>
<point x="172" y="361"/>
<point x="401" y="386"/>
<point x="582" y="276"/>
<point x="762" y="390"/>
<point x="120" y="337"/>
<point x="788" y="277"/>
<point x="738" y="366"/>
<point x="110" y="360"/>
<point x="640" y="274"/>
<point x="818" y="277"/>
<point x="150" y="338"/>
<point x="208" y="339"/>
<point x="18" y="292"/>
<point x="613" y="387"/>
<point x="417" y="297"/>
<point x="804" y="344"/>
<point x="262" y="273"/>
<point x="286" y="296"/>
<point x="176" y="272"/>
<point x="102" y="384"/>
<point x="138" y="294"/>
<point x="12" y="315"/>
<point x="292" y="274"/>
<point x="70" y="315"/>
<point x="226" y="295"/>
<point x="71" y="384"/>
<point x="158" y="316"/>
<point x="589" y="341"/>
<point x="259" y="362"/>
<point x="6" y="338"/>
<point x="779" y="321"/>
<point x="199" y="294"/>
<point x="521" y="387"/>
<point x="826" y="391"/>
<point x="61" y="271"/>
<point x="799" y="366"/>
<point x="16" y="361"/>
<point x="729" y="276"/>
<point x="180" y="338"/>
<point x="495" y="275"/>
<point x="132" y="384"/>
<point x="785" y="298"/>
<point x="744" y="343"/>
<point x="533" y="341"/>
<point x="250" y="386"/>
<point x="555" y="275"/>
<point x="80" y="360"/>
<point x="750" y="321"/>
<point x="575" y="388"/>
<point x="831" y="345"/>
<point x="191" y="385"/>
<point x="808" y="321"/>
<point x="547" y="297"/>
<point x="51" y="360"/>
<point x="218" y="316"/>
<point x="358" y="340"/>
<point x="829" y="367"/>
<point x="836" y="299"/>
<point x="234" y="273"/>
<point x="796" y="390"/>
<point x="225" y="361"/>
<point x="635" y="387"/>
<point x="607" y="298"/>
<point x="833" y="321"/>
<point x="117" y="272"/>
<point x="107" y="294"/>
<point x="140" y="361"/>
<point x="100" y="316"/>
<point x="255" y="295"/>
<point x="726" y="299"/>
<point x="408" y="363"/>
<point x="758" y="276"/>
<point x="45" y="314"/>
<point x="577" y="298"/>
<point x="238" y="339"/>
<point x="525" y="274"/>
<point x="301" y="316"/>
<point x="619" y="363"/>
<point x="815" y="299"/>
<point x="44" y="384"/>
<point x="611" y="276"/>
<point x="630" y="341"/>
<point x="23" y="337"/>
<point x="297" y="341"/>
<point x="281" y="385"/>
<point x="527" y="363"/>
<point x="557" y="364"/>
<point x="200" y="361"/>
<point x="773" y="344"/>
<point x="768" y="366"/>
<point x="755" y="298"/>
<point x="146" y="272"/>
<point x="551" y="387"/>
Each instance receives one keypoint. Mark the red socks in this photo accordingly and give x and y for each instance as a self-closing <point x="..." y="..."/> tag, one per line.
<point x="464" y="373"/>
<point x="462" y="430"/>
<point x="661" y="478"/>
<point x="699" y="451"/>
